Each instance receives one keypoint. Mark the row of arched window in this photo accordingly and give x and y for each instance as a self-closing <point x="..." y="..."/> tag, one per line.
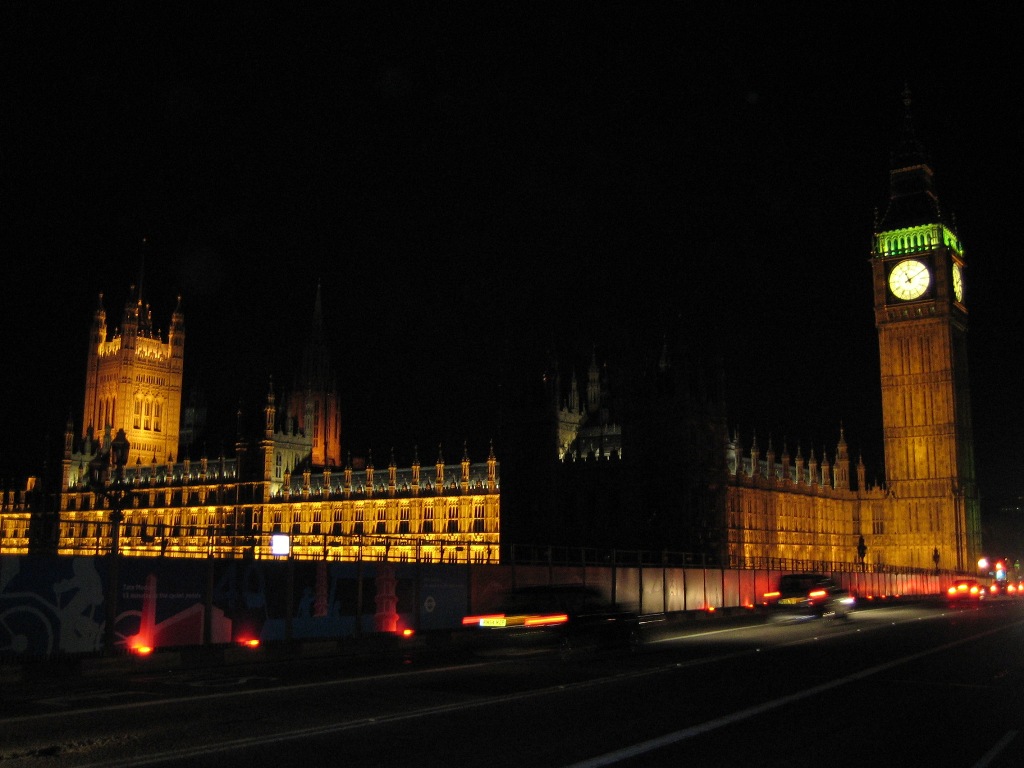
<point x="148" y="414"/>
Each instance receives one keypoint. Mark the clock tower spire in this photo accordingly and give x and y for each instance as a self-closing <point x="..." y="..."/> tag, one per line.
<point x="917" y="263"/>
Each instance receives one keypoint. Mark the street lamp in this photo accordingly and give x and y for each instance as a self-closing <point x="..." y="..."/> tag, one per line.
<point x="116" y="492"/>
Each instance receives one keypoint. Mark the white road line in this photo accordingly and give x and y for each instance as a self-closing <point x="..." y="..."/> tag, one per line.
<point x="298" y="733"/>
<point x="993" y="753"/>
<point x="610" y="758"/>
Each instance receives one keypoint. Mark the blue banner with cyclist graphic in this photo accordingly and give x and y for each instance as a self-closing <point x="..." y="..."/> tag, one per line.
<point x="50" y="606"/>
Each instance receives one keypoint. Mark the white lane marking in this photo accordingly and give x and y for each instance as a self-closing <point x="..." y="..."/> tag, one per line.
<point x="993" y="753"/>
<point x="610" y="758"/>
<point x="236" y="693"/>
<point x="198" y="751"/>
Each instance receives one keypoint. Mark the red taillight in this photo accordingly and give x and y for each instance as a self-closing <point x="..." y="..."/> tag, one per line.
<point x="975" y="590"/>
<point x="769" y="595"/>
<point x="252" y="642"/>
<point x="817" y="593"/>
<point x="951" y="590"/>
<point x="473" y="620"/>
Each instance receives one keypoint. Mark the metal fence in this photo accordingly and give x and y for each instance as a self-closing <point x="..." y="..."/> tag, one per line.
<point x="534" y="554"/>
<point x="221" y="543"/>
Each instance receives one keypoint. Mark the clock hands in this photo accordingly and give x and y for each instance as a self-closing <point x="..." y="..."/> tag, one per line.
<point x="909" y="279"/>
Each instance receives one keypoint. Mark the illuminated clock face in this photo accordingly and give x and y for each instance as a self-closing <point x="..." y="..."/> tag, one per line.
<point x="958" y="282"/>
<point x="909" y="279"/>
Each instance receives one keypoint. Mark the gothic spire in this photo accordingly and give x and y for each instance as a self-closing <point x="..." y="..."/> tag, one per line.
<point x="912" y="197"/>
<point x="316" y="358"/>
<point x="909" y="151"/>
<point x="142" y="264"/>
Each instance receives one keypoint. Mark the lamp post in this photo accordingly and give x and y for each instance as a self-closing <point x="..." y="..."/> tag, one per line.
<point x="114" y="490"/>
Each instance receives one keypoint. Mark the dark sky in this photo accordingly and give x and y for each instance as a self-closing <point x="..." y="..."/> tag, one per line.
<point x="480" y="186"/>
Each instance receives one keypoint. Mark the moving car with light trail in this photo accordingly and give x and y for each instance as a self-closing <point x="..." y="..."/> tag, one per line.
<point x="567" y="618"/>
<point x="965" y="591"/>
<point x="809" y="595"/>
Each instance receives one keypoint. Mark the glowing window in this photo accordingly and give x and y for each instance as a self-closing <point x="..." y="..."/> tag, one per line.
<point x="280" y="544"/>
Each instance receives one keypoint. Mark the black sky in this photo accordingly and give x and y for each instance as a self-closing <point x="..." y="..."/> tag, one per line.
<point x="478" y="187"/>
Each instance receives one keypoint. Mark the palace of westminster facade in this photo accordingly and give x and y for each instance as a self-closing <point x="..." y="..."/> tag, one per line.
<point x="290" y="480"/>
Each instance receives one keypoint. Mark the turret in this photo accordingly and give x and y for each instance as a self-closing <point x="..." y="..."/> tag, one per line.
<point x="440" y="470"/>
<point x="69" y="442"/>
<point x="308" y="426"/>
<point x="369" y="474"/>
<point x="392" y="475"/>
<point x="492" y="470"/>
<point x="176" y="333"/>
<point x="593" y="385"/>
<point x="732" y="454"/>
<point x="98" y="333"/>
<point x="129" y="331"/>
<point x="841" y="472"/>
<point x="69" y="437"/>
<point x="97" y="338"/>
<point x="269" y="411"/>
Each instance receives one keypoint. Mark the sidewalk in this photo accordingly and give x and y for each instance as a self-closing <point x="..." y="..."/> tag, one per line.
<point x="199" y="657"/>
<point x="372" y="645"/>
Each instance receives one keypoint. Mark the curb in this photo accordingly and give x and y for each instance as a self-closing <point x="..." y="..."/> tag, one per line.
<point x="379" y="644"/>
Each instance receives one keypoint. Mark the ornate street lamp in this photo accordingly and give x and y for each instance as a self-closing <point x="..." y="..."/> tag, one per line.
<point x="114" y="490"/>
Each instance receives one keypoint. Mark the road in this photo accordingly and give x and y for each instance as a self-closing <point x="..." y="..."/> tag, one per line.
<point x="897" y="685"/>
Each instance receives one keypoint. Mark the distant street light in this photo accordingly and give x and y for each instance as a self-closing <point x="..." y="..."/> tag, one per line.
<point x="115" y="490"/>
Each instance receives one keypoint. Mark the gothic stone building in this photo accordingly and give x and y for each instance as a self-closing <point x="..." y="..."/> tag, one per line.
<point x="286" y="483"/>
<point x="668" y="475"/>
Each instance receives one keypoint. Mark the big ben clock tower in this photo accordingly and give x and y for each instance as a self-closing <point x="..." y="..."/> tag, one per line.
<point x="917" y="260"/>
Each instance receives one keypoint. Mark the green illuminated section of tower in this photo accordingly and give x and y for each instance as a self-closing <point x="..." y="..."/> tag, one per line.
<point x="917" y="239"/>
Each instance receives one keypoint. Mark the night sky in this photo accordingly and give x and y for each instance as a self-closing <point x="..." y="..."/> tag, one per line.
<point x="482" y="188"/>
